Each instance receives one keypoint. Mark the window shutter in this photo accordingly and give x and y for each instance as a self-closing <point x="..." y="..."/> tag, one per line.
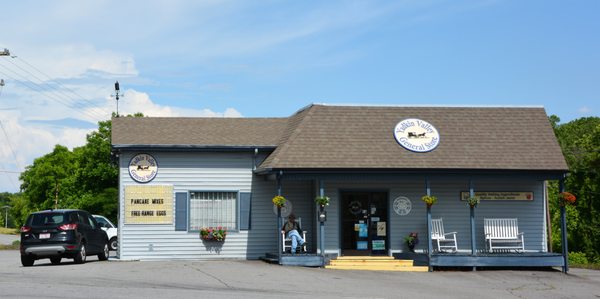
<point x="181" y="200"/>
<point x="245" y="200"/>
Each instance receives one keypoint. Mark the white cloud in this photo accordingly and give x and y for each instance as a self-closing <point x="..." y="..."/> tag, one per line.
<point x="34" y="123"/>
<point x="585" y="110"/>
<point x="66" y="61"/>
<point x="135" y="101"/>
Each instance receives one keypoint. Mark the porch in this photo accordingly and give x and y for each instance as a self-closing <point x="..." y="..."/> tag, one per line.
<point x="300" y="259"/>
<point x="439" y="260"/>
<point x="485" y="259"/>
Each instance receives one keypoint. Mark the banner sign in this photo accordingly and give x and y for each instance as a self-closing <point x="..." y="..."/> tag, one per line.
<point x="149" y="204"/>
<point x="503" y="195"/>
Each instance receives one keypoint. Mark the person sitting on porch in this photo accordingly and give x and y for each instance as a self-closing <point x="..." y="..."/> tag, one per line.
<point x="292" y="230"/>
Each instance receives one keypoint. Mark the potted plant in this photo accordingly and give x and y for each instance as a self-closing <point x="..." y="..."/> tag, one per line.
<point x="411" y="240"/>
<point x="213" y="234"/>
<point x="473" y="201"/>
<point x="567" y="198"/>
<point x="322" y="201"/>
<point x="279" y="201"/>
<point x="429" y="199"/>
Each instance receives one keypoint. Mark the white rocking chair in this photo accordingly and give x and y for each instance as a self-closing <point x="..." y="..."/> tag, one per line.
<point x="286" y="243"/>
<point x="442" y="239"/>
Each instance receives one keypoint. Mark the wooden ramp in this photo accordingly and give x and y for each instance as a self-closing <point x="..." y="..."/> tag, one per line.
<point x="374" y="263"/>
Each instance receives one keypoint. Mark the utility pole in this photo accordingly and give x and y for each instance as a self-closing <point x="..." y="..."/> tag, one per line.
<point x="6" y="216"/>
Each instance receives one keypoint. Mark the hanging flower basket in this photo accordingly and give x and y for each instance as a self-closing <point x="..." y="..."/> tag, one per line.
<point x="322" y="200"/>
<point x="567" y="199"/>
<point x="429" y="200"/>
<point x="213" y="234"/>
<point x="473" y="201"/>
<point x="279" y="201"/>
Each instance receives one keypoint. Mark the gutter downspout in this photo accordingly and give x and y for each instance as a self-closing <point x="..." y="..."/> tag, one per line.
<point x="254" y="159"/>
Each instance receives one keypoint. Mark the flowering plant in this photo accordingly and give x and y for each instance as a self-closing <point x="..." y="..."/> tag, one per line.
<point x="213" y="234"/>
<point x="429" y="199"/>
<point x="322" y="200"/>
<point x="411" y="240"/>
<point x="567" y="198"/>
<point x="473" y="201"/>
<point x="279" y="201"/>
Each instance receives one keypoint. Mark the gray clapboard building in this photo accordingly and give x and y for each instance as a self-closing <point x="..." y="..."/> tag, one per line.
<point x="179" y="175"/>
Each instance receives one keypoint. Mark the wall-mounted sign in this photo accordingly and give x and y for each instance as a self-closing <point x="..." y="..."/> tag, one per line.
<point x="378" y="244"/>
<point x="502" y="195"/>
<point x="149" y="204"/>
<point x="362" y="245"/>
<point x="381" y="229"/>
<point x="402" y="205"/>
<point x="417" y="135"/>
<point x="143" y="168"/>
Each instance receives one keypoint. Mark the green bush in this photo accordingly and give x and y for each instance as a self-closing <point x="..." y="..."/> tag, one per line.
<point x="578" y="258"/>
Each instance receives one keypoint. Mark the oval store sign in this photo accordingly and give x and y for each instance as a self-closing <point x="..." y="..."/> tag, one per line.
<point x="417" y="135"/>
<point x="143" y="168"/>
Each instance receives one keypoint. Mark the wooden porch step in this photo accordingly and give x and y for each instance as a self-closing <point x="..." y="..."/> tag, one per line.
<point x="374" y="263"/>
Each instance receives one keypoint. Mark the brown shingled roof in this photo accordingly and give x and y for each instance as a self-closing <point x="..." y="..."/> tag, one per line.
<point x="215" y="132"/>
<point x="361" y="137"/>
<point x="354" y="137"/>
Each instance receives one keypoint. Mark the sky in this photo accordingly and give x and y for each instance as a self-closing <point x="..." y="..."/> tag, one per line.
<point x="217" y="58"/>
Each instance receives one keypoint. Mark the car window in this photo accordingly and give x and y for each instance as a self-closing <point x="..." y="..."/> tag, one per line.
<point x="73" y="218"/>
<point x="82" y="219"/>
<point x="103" y="222"/>
<point x="46" y="219"/>
<point x="91" y="221"/>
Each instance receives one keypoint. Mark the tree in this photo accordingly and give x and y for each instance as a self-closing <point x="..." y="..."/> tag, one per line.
<point x="580" y="143"/>
<point x="49" y="179"/>
<point x="85" y="178"/>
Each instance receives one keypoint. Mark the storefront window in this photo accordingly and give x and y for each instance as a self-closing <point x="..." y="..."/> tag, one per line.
<point x="213" y="209"/>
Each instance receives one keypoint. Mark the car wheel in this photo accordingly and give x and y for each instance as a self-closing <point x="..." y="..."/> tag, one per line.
<point x="81" y="256"/>
<point x="27" y="261"/>
<point x="104" y="255"/>
<point x="55" y="260"/>
<point x="113" y="243"/>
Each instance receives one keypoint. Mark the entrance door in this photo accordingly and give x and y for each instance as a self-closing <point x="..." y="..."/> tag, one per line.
<point x="364" y="223"/>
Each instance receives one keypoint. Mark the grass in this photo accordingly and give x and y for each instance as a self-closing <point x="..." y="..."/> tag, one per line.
<point x="586" y="266"/>
<point x="9" y="231"/>
<point x="13" y="246"/>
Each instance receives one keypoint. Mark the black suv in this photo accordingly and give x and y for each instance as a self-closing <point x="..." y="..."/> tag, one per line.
<point x="58" y="234"/>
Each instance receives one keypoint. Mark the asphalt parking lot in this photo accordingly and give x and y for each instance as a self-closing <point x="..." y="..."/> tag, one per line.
<point x="256" y="279"/>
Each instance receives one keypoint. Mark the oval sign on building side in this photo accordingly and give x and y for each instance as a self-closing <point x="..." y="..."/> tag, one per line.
<point x="143" y="168"/>
<point x="417" y="135"/>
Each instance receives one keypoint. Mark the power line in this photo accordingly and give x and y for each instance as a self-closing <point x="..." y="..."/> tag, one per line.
<point x="68" y="102"/>
<point x="35" y="87"/>
<point x="10" y="146"/>
<point x="89" y="102"/>
<point x="9" y="171"/>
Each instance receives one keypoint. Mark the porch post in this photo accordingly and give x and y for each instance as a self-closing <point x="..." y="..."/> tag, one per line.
<point x="321" y="223"/>
<point x="429" y="244"/>
<point x="563" y="230"/>
<point x="278" y="223"/>
<point x="472" y="214"/>
<point x="472" y="194"/>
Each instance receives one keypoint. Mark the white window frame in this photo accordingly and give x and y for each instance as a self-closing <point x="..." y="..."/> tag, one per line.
<point x="209" y="217"/>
